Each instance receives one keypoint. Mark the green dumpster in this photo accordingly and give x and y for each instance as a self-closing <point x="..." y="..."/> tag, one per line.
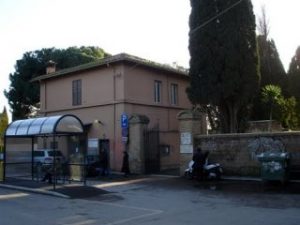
<point x="274" y="165"/>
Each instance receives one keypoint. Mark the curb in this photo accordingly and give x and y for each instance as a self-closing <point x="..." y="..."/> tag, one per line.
<point x="35" y="190"/>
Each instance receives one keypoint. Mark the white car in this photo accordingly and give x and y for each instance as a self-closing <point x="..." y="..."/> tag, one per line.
<point x="46" y="156"/>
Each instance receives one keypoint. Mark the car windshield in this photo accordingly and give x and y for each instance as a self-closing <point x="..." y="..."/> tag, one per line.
<point x="57" y="153"/>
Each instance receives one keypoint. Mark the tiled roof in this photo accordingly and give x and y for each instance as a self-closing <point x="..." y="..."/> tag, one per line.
<point x="109" y="60"/>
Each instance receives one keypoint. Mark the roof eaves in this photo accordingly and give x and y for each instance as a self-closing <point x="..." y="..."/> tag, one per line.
<point x="107" y="61"/>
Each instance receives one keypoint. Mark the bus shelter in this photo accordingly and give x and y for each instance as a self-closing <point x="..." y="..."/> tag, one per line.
<point x="63" y="135"/>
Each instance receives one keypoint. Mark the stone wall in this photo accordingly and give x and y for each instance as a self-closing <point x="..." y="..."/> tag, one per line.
<point x="237" y="152"/>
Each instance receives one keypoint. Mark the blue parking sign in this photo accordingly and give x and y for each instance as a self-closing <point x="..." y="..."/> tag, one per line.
<point x="124" y="120"/>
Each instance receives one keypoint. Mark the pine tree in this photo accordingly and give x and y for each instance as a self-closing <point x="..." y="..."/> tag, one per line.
<point x="224" y="59"/>
<point x="294" y="79"/>
<point x="294" y="75"/>
<point x="23" y="95"/>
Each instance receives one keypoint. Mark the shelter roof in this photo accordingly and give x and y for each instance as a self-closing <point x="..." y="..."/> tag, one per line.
<point x="61" y="124"/>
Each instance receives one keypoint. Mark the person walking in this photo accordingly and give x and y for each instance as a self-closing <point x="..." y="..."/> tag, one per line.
<point x="125" y="165"/>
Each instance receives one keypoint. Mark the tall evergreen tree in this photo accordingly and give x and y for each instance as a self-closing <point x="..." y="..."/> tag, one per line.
<point x="294" y="79"/>
<point x="23" y="96"/>
<point x="271" y="68"/>
<point x="224" y="59"/>
<point x="294" y="75"/>
<point x="272" y="73"/>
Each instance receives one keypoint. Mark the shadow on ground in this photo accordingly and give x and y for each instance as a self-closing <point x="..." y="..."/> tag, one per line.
<point x="249" y="187"/>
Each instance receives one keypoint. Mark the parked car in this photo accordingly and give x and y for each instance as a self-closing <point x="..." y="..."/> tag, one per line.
<point x="46" y="156"/>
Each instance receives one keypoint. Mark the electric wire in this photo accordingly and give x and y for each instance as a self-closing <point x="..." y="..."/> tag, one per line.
<point x="215" y="17"/>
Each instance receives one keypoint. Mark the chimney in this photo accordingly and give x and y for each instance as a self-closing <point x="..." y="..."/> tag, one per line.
<point x="51" y="67"/>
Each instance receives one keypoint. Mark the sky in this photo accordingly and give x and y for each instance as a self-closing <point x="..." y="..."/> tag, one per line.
<point x="152" y="29"/>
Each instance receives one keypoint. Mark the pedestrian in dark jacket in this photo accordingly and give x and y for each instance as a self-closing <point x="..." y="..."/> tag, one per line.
<point x="199" y="161"/>
<point x="125" y="165"/>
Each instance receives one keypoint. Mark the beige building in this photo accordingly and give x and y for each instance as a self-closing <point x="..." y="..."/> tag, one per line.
<point x="100" y="92"/>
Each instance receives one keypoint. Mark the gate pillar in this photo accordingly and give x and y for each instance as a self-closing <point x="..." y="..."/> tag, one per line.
<point x="137" y="125"/>
<point x="191" y="123"/>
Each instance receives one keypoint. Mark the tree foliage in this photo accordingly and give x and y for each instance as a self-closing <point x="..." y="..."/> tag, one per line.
<point x="271" y="94"/>
<point x="284" y="109"/>
<point x="23" y="95"/>
<point x="294" y="75"/>
<point x="288" y="113"/>
<point x="294" y="80"/>
<point x="271" y="69"/>
<point x="224" y="59"/>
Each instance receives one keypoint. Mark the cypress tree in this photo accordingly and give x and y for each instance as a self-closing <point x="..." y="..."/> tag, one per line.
<point x="224" y="59"/>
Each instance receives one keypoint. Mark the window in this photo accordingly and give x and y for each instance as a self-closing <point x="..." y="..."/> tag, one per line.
<point x="76" y="92"/>
<point x="157" y="91"/>
<point x="174" y="94"/>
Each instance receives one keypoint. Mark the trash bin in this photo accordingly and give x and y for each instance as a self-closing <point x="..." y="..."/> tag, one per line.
<point x="76" y="167"/>
<point x="274" y="165"/>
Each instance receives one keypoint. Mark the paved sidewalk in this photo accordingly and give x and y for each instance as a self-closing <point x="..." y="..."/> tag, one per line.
<point x="68" y="189"/>
<point x="99" y="185"/>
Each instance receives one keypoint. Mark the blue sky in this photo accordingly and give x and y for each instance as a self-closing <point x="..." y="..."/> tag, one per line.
<point x="152" y="29"/>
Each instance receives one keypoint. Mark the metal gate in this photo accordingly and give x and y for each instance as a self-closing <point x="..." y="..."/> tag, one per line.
<point x="152" y="153"/>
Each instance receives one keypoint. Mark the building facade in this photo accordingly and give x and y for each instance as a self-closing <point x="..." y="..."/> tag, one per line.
<point x="100" y="92"/>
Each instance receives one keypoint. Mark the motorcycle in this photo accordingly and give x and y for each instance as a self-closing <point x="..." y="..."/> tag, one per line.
<point x="212" y="171"/>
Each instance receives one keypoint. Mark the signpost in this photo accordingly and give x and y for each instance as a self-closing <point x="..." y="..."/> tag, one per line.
<point x="124" y="120"/>
<point x="124" y="126"/>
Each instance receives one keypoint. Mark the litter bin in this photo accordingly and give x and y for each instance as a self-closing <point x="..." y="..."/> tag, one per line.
<point x="274" y="165"/>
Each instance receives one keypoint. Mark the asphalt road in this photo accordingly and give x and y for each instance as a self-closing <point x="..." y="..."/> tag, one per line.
<point x="159" y="201"/>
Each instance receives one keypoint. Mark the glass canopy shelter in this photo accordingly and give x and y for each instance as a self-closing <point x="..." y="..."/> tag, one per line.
<point x="55" y="133"/>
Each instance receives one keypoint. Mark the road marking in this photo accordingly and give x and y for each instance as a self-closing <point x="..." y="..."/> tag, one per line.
<point x="10" y="196"/>
<point x="152" y="212"/>
<point x="82" y="222"/>
<point x="112" y="184"/>
<point x="133" y="218"/>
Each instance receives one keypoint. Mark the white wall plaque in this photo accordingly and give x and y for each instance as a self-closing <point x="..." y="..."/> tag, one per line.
<point x="186" y="138"/>
<point x="93" y="143"/>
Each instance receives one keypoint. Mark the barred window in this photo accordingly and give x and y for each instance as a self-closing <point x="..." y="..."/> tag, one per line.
<point x="157" y="91"/>
<point x="174" y="94"/>
<point x="76" y="92"/>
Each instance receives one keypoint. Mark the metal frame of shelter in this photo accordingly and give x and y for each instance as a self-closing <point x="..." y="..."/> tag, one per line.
<point x="52" y="126"/>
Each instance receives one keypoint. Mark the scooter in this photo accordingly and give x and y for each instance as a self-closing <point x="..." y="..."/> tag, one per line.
<point x="212" y="171"/>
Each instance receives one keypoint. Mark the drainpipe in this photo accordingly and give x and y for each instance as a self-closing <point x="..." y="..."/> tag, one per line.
<point x="114" y="114"/>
